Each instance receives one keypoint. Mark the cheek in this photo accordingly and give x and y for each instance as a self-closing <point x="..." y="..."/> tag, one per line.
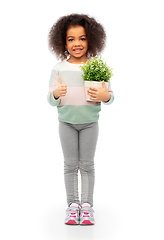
<point x="86" y="45"/>
<point x="68" y="45"/>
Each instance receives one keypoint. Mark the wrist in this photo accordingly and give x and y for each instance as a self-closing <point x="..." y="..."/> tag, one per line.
<point x="107" y="98"/>
<point x="56" y="96"/>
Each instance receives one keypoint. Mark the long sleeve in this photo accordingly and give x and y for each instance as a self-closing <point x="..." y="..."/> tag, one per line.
<point x="111" y="93"/>
<point x="52" y="85"/>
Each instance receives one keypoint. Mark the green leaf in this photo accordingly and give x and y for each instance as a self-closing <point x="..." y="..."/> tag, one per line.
<point x="96" y="70"/>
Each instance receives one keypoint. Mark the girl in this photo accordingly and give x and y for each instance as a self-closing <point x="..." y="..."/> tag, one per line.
<point x="75" y="39"/>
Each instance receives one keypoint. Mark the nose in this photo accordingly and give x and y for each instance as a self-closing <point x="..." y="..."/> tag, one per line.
<point x="77" y="43"/>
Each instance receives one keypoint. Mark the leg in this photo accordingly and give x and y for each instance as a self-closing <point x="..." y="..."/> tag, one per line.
<point x="69" y="142"/>
<point x="87" y="146"/>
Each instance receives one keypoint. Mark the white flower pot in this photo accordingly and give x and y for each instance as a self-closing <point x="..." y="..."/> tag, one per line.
<point x="95" y="84"/>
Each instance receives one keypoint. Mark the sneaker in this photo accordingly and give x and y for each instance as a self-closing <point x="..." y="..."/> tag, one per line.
<point x="87" y="215"/>
<point x="72" y="214"/>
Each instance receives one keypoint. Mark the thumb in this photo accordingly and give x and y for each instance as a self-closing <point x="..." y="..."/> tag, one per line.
<point x="59" y="81"/>
<point x="103" y="84"/>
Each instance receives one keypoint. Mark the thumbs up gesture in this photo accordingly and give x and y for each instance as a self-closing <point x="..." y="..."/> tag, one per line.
<point x="60" y="90"/>
<point x="97" y="94"/>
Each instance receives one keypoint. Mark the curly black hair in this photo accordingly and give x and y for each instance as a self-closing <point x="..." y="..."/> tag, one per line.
<point x="95" y="34"/>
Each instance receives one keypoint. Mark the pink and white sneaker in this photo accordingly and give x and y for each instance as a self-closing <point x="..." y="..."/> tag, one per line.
<point x="87" y="215"/>
<point x="72" y="212"/>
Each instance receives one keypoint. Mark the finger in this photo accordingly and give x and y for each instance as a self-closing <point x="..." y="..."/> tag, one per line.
<point x="59" y="81"/>
<point x="93" y="89"/>
<point x="103" y="84"/>
<point x="64" y="86"/>
<point x="94" y="99"/>
<point x="63" y="94"/>
<point x="63" y="89"/>
<point x="92" y="93"/>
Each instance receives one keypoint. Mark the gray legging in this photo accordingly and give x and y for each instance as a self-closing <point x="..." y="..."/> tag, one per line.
<point x="79" y="143"/>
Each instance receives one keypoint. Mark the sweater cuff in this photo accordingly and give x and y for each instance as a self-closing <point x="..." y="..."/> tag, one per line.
<point x="110" y="100"/>
<point x="52" y="101"/>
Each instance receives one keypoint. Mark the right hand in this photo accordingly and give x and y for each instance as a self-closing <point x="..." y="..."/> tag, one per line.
<point x="61" y="89"/>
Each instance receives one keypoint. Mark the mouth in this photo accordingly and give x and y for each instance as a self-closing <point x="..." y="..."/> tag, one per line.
<point x="77" y="50"/>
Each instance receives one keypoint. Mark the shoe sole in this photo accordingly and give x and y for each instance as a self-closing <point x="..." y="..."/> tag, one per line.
<point x="87" y="222"/>
<point x="84" y="221"/>
<point x="72" y="222"/>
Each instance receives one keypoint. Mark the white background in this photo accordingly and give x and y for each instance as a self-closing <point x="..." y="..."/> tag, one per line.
<point x="129" y="196"/>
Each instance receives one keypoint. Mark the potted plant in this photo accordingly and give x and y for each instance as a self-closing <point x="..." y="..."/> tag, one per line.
<point x="94" y="72"/>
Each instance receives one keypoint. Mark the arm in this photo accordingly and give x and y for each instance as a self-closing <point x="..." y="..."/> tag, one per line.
<point x="56" y="89"/>
<point x="52" y="100"/>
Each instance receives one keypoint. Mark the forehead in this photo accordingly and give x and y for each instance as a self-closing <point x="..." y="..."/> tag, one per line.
<point x="76" y="31"/>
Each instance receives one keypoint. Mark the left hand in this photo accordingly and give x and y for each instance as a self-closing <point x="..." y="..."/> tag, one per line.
<point x="97" y="94"/>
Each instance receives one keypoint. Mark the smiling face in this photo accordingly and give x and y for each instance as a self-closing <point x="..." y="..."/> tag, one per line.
<point x="77" y="44"/>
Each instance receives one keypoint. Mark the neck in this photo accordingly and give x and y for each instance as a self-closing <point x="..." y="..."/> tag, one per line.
<point x="77" y="60"/>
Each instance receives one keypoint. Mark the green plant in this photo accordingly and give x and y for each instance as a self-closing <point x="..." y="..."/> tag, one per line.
<point x="96" y="70"/>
